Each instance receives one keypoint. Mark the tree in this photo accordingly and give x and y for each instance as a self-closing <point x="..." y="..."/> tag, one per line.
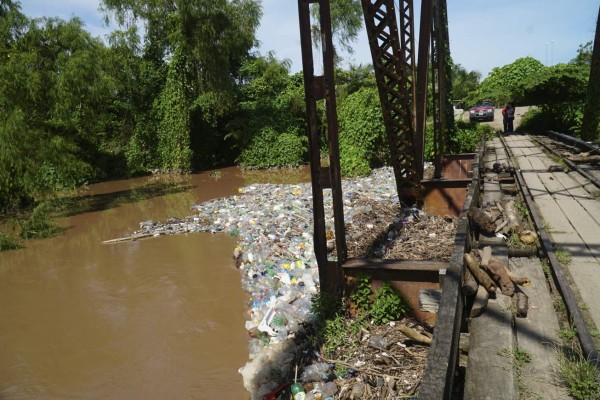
<point x="508" y="82"/>
<point x="54" y="102"/>
<point x="591" y="115"/>
<point x="265" y="129"/>
<point x="463" y="81"/>
<point x="346" y="22"/>
<point x="203" y="42"/>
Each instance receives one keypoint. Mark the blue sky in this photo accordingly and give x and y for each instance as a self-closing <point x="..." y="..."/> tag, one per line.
<point x="483" y="34"/>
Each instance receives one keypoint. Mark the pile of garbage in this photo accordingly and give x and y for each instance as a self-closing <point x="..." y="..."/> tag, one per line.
<point x="274" y="227"/>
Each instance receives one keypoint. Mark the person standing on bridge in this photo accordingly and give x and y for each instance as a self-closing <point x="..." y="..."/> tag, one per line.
<point x="510" y="112"/>
<point x="505" y="117"/>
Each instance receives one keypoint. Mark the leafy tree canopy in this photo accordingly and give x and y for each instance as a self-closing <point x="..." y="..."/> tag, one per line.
<point x="508" y="82"/>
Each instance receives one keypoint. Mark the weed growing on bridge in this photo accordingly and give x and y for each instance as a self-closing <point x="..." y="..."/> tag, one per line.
<point x="579" y="375"/>
<point x="563" y="256"/>
<point x="519" y="359"/>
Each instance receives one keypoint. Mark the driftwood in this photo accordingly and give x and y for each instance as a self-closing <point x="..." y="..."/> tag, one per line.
<point x="480" y="275"/>
<point x="498" y="270"/>
<point x="510" y="213"/>
<point x="519" y="280"/>
<point x="482" y="220"/>
<point x="470" y="285"/>
<point x="480" y="303"/>
<point x="413" y="334"/>
<point x="521" y="303"/>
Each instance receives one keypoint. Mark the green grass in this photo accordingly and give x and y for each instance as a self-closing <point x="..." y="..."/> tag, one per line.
<point x="7" y="242"/>
<point x="563" y="256"/>
<point x="581" y="378"/>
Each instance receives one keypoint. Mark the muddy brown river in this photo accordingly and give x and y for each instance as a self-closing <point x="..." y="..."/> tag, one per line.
<point x="160" y="318"/>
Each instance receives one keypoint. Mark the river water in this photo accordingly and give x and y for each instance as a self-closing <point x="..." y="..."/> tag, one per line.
<point x="161" y="318"/>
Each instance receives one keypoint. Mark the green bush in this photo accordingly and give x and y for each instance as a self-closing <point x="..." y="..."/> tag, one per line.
<point x="565" y="118"/>
<point x="39" y="225"/>
<point x="464" y="140"/>
<point x="388" y="305"/>
<point x="271" y="149"/>
<point x="467" y="137"/>
<point x="7" y="242"/>
<point x="363" y="142"/>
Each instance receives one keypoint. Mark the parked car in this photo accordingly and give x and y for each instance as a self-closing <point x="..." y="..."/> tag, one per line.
<point x="482" y="111"/>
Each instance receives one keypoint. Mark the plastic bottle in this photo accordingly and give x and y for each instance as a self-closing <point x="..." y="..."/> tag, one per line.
<point x="327" y="389"/>
<point x="298" y="391"/>
<point x="315" y="372"/>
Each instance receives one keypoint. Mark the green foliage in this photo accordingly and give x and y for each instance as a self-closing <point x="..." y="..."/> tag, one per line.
<point x="346" y="22"/>
<point x="7" y="242"/>
<point x="332" y="333"/>
<point x="388" y="305"/>
<point x="325" y="306"/>
<point x="561" y="83"/>
<point x="580" y="376"/>
<point x="363" y="142"/>
<point x="383" y="306"/>
<point x="361" y="296"/>
<point x="174" y="127"/>
<point x="508" y="82"/>
<point x="39" y="225"/>
<point x="463" y="81"/>
<point x="270" y="149"/>
<point x="267" y="125"/>
<point x="465" y="139"/>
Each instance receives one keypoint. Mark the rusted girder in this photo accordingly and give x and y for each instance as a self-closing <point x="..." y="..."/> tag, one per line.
<point x="318" y="88"/>
<point x="421" y="92"/>
<point x="393" y="62"/>
<point x="439" y="57"/>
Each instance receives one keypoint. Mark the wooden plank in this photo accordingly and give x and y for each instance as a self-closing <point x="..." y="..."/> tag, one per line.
<point x="490" y="373"/>
<point x="402" y="265"/>
<point x="592" y="189"/>
<point x="572" y="242"/>
<point x="583" y="223"/>
<point x="587" y="279"/>
<point x="537" y="333"/>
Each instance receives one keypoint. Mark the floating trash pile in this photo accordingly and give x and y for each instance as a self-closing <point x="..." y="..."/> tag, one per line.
<point x="275" y="255"/>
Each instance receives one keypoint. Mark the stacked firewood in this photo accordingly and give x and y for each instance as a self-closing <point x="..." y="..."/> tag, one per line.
<point x="485" y="274"/>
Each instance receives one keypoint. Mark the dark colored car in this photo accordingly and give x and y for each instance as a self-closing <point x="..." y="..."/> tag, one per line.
<point x="482" y="111"/>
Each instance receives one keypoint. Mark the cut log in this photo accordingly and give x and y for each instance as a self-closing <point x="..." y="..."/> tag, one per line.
<point x="480" y="275"/>
<point x="413" y="334"/>
<point x="499" y="271"/>
<point x="480" y="303"/>
<point x="470" y="285"/>
<point x="521" y="302"/>
<point x="482" y="220"/>
<point x="519" y="280"/>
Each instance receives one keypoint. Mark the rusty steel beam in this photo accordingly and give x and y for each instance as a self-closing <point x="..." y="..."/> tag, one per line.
<point x="440" y="47"/>
<point x="317" y="88"/>
<point x="421" y="86"/>
<point x="393" y="62"/>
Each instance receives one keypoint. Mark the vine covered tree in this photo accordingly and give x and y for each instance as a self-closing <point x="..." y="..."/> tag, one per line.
<point x="591" y="115"/>
<point x="202" y="42"/>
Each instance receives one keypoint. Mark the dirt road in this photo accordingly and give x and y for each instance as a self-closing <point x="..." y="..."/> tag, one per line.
<point x="497" y="122"/>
